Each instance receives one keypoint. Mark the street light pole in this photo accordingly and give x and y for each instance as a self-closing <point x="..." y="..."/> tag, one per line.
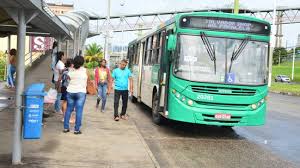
<point x="272" y="46"/>
<point x="293" y="67"/>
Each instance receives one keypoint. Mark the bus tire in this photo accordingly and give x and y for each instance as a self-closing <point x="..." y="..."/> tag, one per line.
<point x="133" y="99"/>
<point x="156" y="117"/>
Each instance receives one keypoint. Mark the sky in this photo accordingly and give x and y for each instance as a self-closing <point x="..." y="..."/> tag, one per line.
<point x="290" y="31"/>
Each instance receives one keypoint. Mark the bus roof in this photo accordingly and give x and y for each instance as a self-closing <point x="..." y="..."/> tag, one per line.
<point x="204" y="14"/>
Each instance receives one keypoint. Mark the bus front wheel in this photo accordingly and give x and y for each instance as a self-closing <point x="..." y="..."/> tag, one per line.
<point x="156" y="117"/>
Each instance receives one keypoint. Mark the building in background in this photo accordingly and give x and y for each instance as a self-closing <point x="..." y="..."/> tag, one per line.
<point x="117" y="54"/>
<point x="60" y="8"/>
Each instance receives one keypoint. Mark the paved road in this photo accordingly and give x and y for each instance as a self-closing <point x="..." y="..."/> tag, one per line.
<point x="277" y="144"/>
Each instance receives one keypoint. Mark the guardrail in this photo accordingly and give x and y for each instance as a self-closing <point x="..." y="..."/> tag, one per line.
<point x="30" y="58"/>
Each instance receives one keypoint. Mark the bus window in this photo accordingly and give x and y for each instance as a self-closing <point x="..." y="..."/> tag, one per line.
<point x="136" y="54"/>
<point x="145" y="52"/>
<point x="130" y="54"/>
<point x="154" y="48"/>
<point x="160" y="47"/>
<point x="148" y="55"/>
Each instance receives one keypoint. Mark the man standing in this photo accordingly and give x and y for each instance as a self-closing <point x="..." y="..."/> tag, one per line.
<point x="121" y="76"/>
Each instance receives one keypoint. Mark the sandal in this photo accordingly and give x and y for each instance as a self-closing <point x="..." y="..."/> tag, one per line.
<point x="117" y="118"/>
<point x="124" y="117"/>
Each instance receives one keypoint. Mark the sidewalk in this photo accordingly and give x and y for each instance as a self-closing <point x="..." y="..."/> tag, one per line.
<point x="104" y="142"/>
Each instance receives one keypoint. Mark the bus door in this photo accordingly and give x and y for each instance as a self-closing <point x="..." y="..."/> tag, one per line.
<point x="163" y="75"/>
<point x="140" y="66"/>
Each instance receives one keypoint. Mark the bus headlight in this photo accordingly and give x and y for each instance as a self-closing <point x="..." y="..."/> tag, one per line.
<point x="177" y="95"/>
<point x="253" y="106"/>
<point x="173" y="91"/>
<point x="190" y="102"/>
<point x="183" y="98"/>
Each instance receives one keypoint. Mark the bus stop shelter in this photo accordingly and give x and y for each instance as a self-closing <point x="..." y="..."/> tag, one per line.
<point x="21" y="18"/>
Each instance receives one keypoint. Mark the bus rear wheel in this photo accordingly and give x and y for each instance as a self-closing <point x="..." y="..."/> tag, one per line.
<point x="156" y="117"/>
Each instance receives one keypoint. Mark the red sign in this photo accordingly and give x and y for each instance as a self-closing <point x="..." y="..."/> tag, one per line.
<point x="40" y="44"/>
<point x="220" y="116"/>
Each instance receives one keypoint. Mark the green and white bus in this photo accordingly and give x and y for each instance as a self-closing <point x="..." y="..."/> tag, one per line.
<point x="204" y="67"/>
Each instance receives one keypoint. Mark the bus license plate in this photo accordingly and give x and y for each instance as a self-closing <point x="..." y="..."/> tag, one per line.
<point x="223" y="116"/>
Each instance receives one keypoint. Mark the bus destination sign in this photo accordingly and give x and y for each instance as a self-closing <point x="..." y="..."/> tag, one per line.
<point x="225" y="24"/>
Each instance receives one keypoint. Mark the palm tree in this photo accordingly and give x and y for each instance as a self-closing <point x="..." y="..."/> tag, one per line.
<point x="93" y="50"/>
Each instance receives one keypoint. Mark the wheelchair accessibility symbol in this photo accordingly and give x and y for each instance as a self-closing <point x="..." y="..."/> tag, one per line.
<point x="230" y="78"/>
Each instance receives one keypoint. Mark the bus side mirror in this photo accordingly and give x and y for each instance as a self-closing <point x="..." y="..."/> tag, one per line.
<point x="172" y="42"/>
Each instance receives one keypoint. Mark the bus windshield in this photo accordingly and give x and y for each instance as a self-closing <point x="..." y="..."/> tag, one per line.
<point x="194" y="61"/>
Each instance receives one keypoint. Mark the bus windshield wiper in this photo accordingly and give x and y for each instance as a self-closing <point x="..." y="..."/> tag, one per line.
<point x="237" y="53"/>
<point x="210" y="50"/>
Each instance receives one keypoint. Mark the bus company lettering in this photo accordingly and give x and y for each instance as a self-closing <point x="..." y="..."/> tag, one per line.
<point x="205" y="97"/>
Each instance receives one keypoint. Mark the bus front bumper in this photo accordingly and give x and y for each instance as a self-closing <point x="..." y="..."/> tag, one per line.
<point x="180" y="111"/>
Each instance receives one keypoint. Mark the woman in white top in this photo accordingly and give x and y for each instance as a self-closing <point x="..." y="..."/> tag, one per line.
<point x="59" y="68"/>
<point x="76" y="94"/>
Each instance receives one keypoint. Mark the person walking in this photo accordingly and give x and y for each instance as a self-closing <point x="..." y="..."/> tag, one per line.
<point x="121" y="76"/>
<point x="103" y="83"/>
<point x="58" y="71"/>
<point x="12" y="67"/>
<point x="54" y="58"/>
<point x="64" y="84"/>
<point x="76" y="94"/>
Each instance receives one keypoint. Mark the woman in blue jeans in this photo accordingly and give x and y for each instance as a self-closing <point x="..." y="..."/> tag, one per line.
<point x="103" y="83"/>
<point x="76" y="94"/>
<point x="12" y="67"/>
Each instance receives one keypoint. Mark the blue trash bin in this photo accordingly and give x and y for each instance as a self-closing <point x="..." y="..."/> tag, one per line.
<point x="33" y="111"/>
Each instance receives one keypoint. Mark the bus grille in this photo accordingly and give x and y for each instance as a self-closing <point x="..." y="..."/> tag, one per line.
<point x="223" y="90"/>
<point x="211" y="118"/>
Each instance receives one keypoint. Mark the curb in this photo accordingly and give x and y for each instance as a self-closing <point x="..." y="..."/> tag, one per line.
<point x="285" y="93"/>
<point x="155" y="162"/>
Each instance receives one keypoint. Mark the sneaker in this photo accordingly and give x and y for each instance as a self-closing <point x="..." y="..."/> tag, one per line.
<point x="102" y="110"/>
<point x="77" y="132"/>
<point x="117" y="118"/>
<point x="66" y="130"/>
<point x="98" y="101"/>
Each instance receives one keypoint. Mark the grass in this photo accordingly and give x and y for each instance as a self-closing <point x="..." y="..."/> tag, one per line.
<point x="286" y="88"/>
<point x="286" y="69"/>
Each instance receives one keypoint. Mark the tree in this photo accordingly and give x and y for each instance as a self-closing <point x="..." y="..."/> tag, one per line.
<point x="279" y="52"/>
<point x="93" y="50"/>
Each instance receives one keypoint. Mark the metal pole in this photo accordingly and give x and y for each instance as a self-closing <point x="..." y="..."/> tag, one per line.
<point x="67" y="49"/>
<point x="293" y="67"/>
<point x="272" y="46"/>
<point x="30" y="50"/>
<point x="17" y="141"/>
<point x="122" y="54"/>
<point x="7" y="58"/>
<point x="279" y="57"/>
<point x="236" y="6"/>
<point x="107" y="57"/>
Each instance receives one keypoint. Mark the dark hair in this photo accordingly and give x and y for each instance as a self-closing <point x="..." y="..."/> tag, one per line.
<point x="124" y="61"/>
<point x="102" y="61"/>
<point x="59" y="56"/>
<point x="69" y="62"/>
<point x="13" y="52"/>
<point x="54" y="44"/>
<point x="78" y="62"/>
